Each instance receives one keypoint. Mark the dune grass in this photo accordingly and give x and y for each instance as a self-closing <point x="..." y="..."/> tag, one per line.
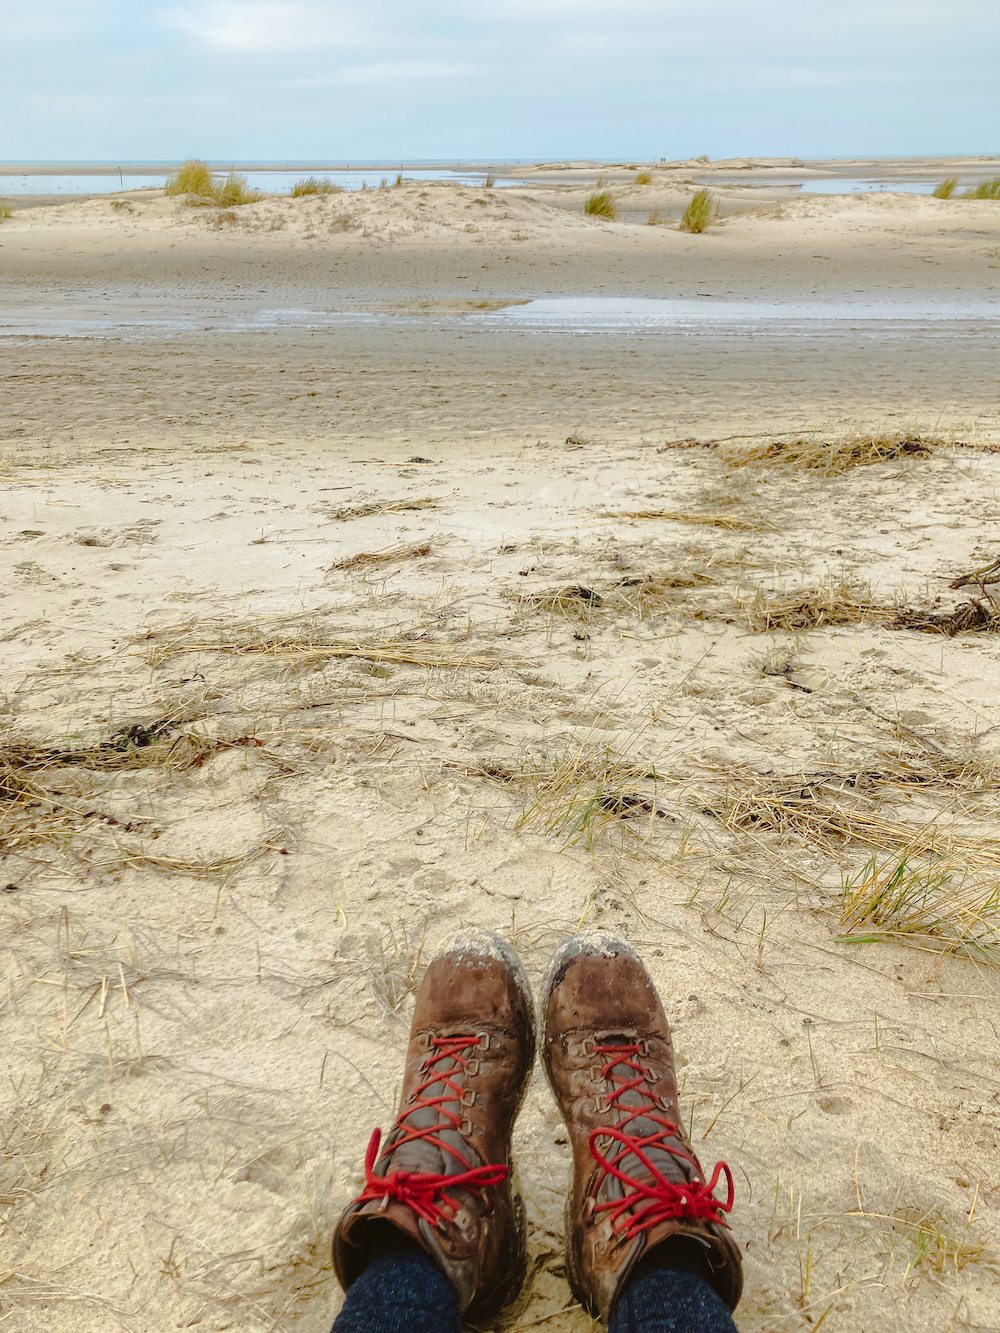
<point x="600" y="204"/>
<point x="195" y="178"/>
<point x="4" y="210"/>
<point x="234" y="191"/>
<point x="490" y="181"/>
<point x="655" y="218"/>
<point x="985" y="190"/>
<point x="700" y="212"/>
<point x="947" y="188"/>
<point x="644" y="178"/>
<point x="841" y="602"/>
<point x="314" y="185"/>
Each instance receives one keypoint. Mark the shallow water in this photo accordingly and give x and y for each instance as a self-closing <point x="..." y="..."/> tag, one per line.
<point x="271" y="182"/>
<point x="703" y="315"/>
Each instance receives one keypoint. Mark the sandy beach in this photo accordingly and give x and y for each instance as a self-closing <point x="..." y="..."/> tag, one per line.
<point x="350" y="596"/>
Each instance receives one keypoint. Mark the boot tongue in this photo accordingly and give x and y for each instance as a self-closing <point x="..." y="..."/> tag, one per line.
<point x="641" y="1128"/>
<point x="421" y="1155"/>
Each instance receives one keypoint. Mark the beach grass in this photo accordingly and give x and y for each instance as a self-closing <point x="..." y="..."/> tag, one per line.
<point x="655" y="218"/>
<point x="829" y="456"/>
<point x="644" y="178"/>
<point x="4" y="210"/>
<point x="490" y="181"/>
<point x="600" y="204"/>
<point x="194" y="177"/>
<point x="985" y="190"/>
<point x="234" y="191"/>
<point x="894" y="898"/>
<point x="699" y="212"/>
<point x="314" y="185"/>
<point x="947" y="188"/>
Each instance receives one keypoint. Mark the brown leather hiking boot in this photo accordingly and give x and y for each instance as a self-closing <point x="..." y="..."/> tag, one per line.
<point x="443" y="1176"/>
<point x="636" y="1182"/>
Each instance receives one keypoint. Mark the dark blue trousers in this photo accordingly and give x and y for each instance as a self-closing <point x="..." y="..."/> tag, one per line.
<point x="401" y="1291"/>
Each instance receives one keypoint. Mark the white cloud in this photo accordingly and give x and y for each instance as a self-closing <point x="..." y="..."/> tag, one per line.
<point x="262" y="27"/>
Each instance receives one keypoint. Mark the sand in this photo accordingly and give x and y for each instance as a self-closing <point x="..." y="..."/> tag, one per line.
<point x="293" y="687"/>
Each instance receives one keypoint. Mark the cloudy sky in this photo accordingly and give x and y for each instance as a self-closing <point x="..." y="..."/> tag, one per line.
<point x="292" y="80"/>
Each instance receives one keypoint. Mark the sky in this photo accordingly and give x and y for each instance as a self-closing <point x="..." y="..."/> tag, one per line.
<point x="343" y="80"/>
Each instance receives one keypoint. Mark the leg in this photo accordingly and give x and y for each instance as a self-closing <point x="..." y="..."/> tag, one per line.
<point x="399" y="1291"/>
<point x="670" y="1292"/>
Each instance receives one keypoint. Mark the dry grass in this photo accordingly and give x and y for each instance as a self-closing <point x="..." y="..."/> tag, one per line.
<point x="601" y="204"/>
<point x="381" y="507"/>
<point x="936" y="902"/>
<point x="830" y="457"/>
<point x="194" y="177"/>
<point x="385" y="556"/>
<point x="700" y="212"/>
<point x="287" y="640"/>
<point x="830" y="809"/>
<point x="395" y="966"/>
<point x="644" y="178"/>
<point x="966" y="617"/>
<point x="947" y="188"/>
<point x="583" y="793"/>
<point x="5" y="211"/>
<point x="655" y="219"/>
<point x="697" y="518"/>
<point x="315" y="185"/>
<point x="845" y="602"/>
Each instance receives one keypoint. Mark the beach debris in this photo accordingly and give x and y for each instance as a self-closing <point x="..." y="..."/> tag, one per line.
<point x="988" y="574"/>
<point x="417" y="459"/>
<point x="381" y="507"/>
<point x="841" y="603"/>
<point x="386" y="555"/>
<point x="966" y="617"/>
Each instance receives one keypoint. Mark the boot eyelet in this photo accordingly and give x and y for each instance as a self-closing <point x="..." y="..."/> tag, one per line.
<point x="472" y="1067"/>
<point x="484" y="1040"/>
<point x="468" y="1097"/>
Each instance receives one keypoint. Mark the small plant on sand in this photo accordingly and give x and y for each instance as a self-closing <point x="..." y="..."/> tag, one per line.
<point x="985" y="190"/>
<point x="699" y="213"/>
<point x="234" y="191"/>
<point x="194" y="177"/>
<point x="399" y="178"/>
<point x="4" y="210"/>
<point x="947" y="188"/>
<point x="644" y="178"/>
<point x="314" y="185"/>
<point x="601" y="204"/>
<point x="655" y="218"/>
<point x="891" y="899"/>
<point x="490" y="181"/>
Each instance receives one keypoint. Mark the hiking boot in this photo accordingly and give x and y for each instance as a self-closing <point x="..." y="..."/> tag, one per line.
<point x="636" y="1182"/>
<point x="443" y="1177"/>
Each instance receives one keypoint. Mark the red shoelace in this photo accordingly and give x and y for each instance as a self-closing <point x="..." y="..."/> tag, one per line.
<point x="655" y="1199"/>
<point x="426" y="1193"/>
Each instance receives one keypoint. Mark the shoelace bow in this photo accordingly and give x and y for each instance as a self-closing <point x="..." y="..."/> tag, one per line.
<point x="426" y="1193"/>
<point x="656" y="1199"/>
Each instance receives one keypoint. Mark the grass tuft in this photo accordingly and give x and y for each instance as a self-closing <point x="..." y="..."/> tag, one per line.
<point x="655" y="218"/>
<point x="4" y="210"/>
<point x="644" y="178"/>
<point x="234" y="191"/>
<point x="490" y="181"/>
<point x="601" y="204"/>
<point x="315" y="185"/>
<point x="947" y="188"/>
<point x="700" y="212"/>
<point x="892" y="899"/>
<point x="985" y="190"/>
<point x="195" y="178"/>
